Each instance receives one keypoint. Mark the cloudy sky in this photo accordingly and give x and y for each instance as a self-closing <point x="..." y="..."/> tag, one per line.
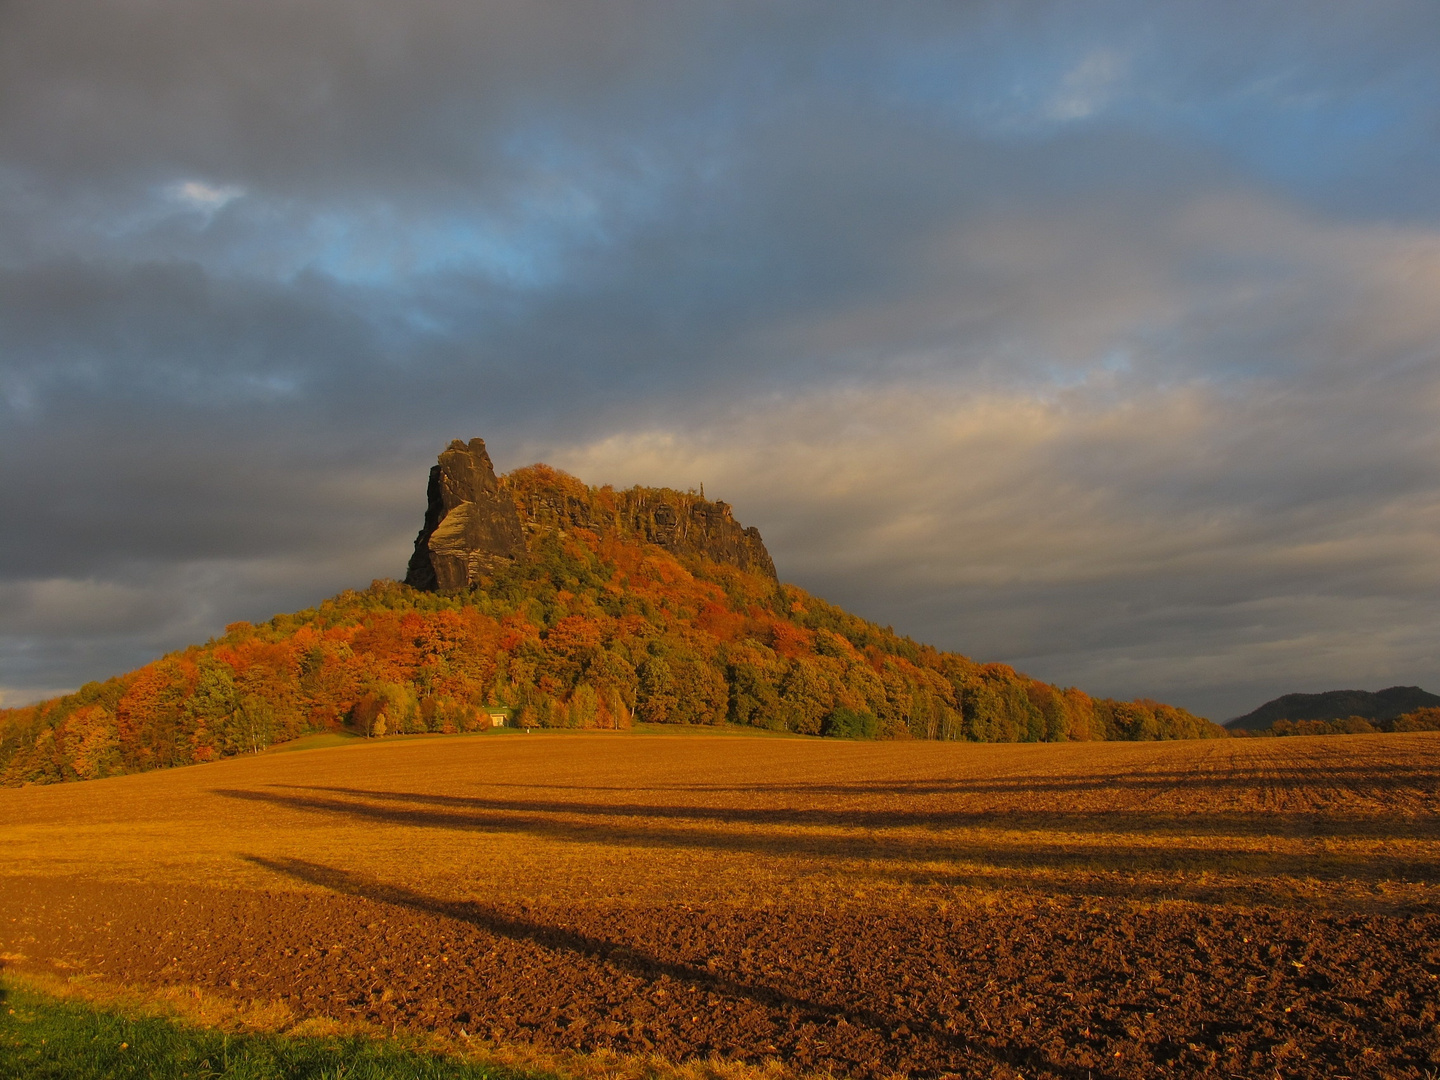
<point x="1101" y="339"/>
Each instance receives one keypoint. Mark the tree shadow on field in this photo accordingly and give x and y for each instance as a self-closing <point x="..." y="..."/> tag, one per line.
<point x="599" y="824"/>
<point x="631" y="961"/>
<point x="1271" y="775"/>
<point x="1123" y="821"/>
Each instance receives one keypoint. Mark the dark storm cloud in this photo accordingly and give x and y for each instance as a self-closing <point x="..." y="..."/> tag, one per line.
<point x="1097" y="340"/>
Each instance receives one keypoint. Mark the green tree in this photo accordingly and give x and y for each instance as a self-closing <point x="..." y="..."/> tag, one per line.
<point x="847" y="723"/>
<point x="210" y="710"/>
<point x="255" y="723"/>
<point x="657" y="698"/>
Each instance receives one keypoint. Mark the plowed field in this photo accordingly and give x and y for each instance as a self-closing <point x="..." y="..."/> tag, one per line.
<point x="1246" y="907"/>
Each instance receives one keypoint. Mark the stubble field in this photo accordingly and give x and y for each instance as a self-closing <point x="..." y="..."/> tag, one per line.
<point x="604" y="903"/>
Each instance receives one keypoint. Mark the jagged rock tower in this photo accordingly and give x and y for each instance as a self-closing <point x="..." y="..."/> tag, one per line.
<point x="471" y="526"/>
<point x="477" y="523"/>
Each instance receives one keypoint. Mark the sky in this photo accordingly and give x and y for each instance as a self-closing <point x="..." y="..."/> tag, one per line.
<point x="1102" y="340"/>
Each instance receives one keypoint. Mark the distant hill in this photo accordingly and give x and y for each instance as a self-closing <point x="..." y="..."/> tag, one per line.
<point x="1336" y="705"/>
<point x="537" y="600"/>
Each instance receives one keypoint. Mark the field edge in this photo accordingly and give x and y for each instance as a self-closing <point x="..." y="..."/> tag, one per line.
<point x="188" y="1019"/>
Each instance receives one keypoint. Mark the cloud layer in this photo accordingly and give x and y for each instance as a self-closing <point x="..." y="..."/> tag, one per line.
<point x="1103" y="342"/>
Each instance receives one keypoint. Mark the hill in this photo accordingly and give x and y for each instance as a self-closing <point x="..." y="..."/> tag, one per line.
<point x="558" y="604"/>
<point x="1382" y="705"/>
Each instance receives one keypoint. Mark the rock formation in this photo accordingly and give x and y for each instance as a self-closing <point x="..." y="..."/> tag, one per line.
<point x="687" y="524"/>
<point x="681" y="522"/>
<point x="477" y="523"/>
<point x="471" y="527"/>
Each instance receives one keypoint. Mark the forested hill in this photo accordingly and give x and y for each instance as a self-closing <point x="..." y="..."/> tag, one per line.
<point x="585" y="627"/>
<point x="1381" y="705"/>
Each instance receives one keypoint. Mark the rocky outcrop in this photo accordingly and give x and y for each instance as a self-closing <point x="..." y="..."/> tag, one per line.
<point x="471" y="527"/>
<point x="688" y="524"/>
<point x="681" y="522"/>
<point x="477" y="523"/>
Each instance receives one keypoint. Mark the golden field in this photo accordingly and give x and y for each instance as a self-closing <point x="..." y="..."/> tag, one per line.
<point x="800" y="905"/>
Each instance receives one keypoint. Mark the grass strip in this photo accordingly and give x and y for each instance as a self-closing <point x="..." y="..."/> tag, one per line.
<point x="41" y="1038"/>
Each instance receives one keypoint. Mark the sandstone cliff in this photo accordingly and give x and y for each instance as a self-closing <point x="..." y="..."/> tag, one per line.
<point x="471" y="528"/>
<point x="681" y="522"/>
<point x="477" y="523"/>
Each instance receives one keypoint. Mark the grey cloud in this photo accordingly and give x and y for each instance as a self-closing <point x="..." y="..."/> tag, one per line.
<point x="1190" y="269"/>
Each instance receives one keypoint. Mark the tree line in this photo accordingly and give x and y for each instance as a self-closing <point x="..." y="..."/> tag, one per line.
<point x="1426" y="719"/>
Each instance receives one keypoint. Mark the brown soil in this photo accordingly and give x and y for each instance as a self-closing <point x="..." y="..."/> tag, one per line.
<point x="1248" y="909"/>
